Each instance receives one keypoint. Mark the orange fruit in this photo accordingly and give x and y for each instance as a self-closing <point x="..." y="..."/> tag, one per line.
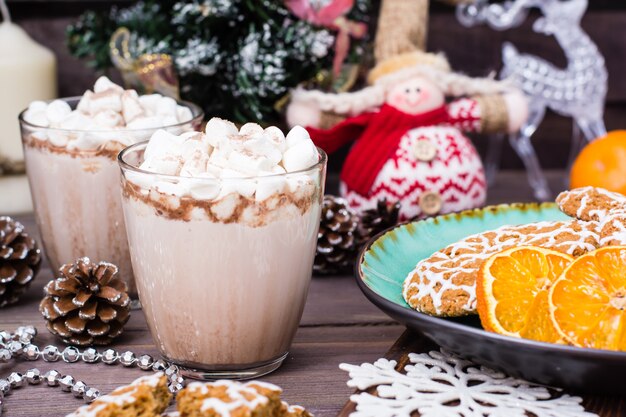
<point x="602" y="163"/>
<point x="588" y="301"/>
<point x="512" y="292"/>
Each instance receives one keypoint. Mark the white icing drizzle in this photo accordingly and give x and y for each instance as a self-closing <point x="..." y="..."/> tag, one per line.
<point x="150" y="380"/>
<point x="616" y="237"/>
<point x="120" y="396"/>
<point x="235" y="391"/>
<point x="584" y="195"/>
<point x="292" y="409"/>
<point x="437" y="268"/>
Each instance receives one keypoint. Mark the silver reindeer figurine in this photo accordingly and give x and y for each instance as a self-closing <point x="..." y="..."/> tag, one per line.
<point x="577" y="91"/>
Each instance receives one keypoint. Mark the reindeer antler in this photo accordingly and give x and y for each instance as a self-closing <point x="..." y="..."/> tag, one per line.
<point x="498" y="16"/>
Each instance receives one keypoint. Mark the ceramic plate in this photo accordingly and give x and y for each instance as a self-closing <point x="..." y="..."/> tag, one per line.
<point x="387" y="259"/>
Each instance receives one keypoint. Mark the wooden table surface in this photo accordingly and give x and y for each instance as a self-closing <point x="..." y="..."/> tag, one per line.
<point x="338" y="325"/>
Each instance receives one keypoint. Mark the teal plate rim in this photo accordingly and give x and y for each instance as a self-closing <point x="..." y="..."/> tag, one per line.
<point x="417" y="320"/>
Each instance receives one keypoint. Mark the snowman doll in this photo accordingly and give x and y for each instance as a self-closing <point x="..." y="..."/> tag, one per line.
<point x="408" y="140"/>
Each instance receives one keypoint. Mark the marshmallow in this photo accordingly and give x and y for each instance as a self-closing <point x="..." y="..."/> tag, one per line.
<point x="219" y="157"/>
<point x="106" y="100"/>
<point x="195" y="164"/>
<point x="168" y="165"/>
<point x="251" y="130"/>
<point x="148" y="122"/>
<point x="276" y="136"/>
<point x="57" y="111"/>
<point x="249" y="163"/>
<point x="192" y="136"/>
<point x="109" y="119"/>
<point x="297" y="135"/>
<point x="213" y="170"/>
<point x="104" y="84"/>
<point x="38" y="106"/>
<point x="163" y="143"/>
<point x="108" y="111"/>
<point x="86" y="141"/>
<point x="149" y="102"/>
<point x="225" y="207"/>
<point x="266" y="187"/>
<point x="75" y="121"/>
<point x="131" y="106"/>
<point x="183" y="114"/>
<point x="301" y="156"/>
<point x="166" y="106"/>
<point x="278" y="170"/>
<point x="104" y="135"/>
<point x="300" y="185"/>
<point x="218" y="130"/>
<point x="265" y="148"/>
<point x="226" y="164"/>
<point x="57" y="138"/>
<point x="204" y="188"/>
<point x="40" y="135"/>
<point x="36" y="114"/>
<point x="171" y="188"/>
<point x="142" y="180"/>
<point x="235" y="183"/>
<point x="168" y="121"/>
<point x="84" y="104"/>
<point x="244" y="188"/>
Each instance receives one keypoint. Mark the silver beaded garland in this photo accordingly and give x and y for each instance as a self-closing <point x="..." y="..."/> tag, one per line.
<point x="51" y="353"/>
<point x="70" y="354"/>
<point x="18" y="345"/>
<point x="52" y="378"/>
<point x="33" y="376"/>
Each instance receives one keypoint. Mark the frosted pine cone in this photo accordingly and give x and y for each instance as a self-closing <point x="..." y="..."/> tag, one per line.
<point x="20" y="259"/>
<point x="87" y="304"/>
<point x="378" y="219"/>
<point x="337" y="237"/>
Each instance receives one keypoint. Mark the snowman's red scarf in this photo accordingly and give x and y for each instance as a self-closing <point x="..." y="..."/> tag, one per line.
<point x="377" y="137"/>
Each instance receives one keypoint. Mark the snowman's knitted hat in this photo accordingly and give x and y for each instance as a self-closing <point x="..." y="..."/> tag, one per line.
<point x="401" y="39"/>
<point x="438" y="62"/>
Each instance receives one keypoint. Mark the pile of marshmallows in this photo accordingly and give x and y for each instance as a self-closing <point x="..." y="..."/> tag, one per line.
<point x="226" y="153"/>
<point x="102" y="114"/>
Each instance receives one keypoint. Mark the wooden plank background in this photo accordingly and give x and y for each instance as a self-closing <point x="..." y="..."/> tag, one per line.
<point x="474" y="51"/>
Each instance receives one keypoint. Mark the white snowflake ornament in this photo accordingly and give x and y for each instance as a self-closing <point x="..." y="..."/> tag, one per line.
<point x="438" y="384"/>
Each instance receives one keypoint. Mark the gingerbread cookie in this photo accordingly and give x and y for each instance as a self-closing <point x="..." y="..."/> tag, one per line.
<point x="146" y="397"/>
<point x="590" y="203"/>
<point x="234" y="399"/>
<point x="444" y="283"/>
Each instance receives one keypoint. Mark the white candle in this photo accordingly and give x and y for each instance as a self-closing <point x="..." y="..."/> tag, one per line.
<point x="27" y="73"/>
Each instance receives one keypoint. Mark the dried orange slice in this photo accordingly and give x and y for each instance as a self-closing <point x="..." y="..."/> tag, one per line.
<point x="512" y="292"/>
<point x="588" y="301"/>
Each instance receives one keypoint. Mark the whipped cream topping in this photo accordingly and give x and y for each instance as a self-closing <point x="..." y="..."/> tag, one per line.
<point x="225" y="161"/>
<point x="107" y="114"/>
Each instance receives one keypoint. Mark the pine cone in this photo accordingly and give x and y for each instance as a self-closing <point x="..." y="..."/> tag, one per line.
<point x="20" y="259"/>
<point x="337" y="237"/>
<point x="374" y="221"/>
<point x="87" y="304"/>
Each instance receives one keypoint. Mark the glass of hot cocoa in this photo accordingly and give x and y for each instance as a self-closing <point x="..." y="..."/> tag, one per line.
<point x="222" y="228"/>
<point x="70" y="149"/>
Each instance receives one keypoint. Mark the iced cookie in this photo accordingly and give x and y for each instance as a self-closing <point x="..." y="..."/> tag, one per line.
<point x="444" y="283"/>
<point x="590" y="203"/>
<point x="229" y="399"/>
<point x="145" y="397"/>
